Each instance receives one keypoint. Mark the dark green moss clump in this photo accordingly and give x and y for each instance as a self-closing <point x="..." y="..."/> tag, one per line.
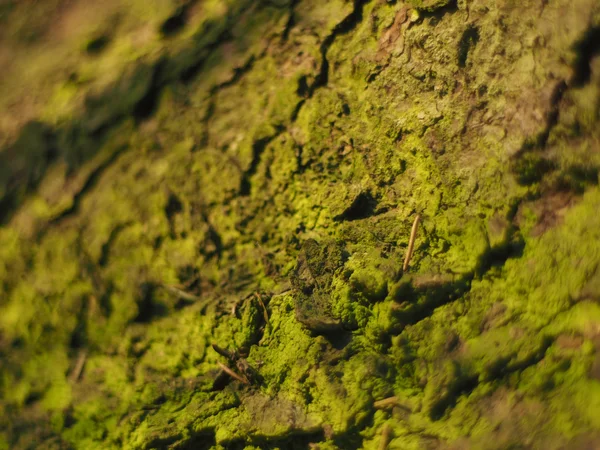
<point x="312" y="278"/>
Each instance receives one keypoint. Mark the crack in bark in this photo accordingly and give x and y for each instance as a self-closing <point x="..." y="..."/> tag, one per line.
<point x="105" y="250"/>
<point x="586" y="49"/>
<point x="343" y="27"/>
<point x="552" y="117"/>
<point x="89" y="184"/>
<point x="238" y="73"/>
<point x="290" y="22"/>
<point x="188" y="74"/>
<point x="258" y="148"/>
<point x="468" y="384"/>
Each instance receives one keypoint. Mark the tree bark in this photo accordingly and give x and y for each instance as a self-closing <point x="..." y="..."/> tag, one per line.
<point x="304" y="224"/>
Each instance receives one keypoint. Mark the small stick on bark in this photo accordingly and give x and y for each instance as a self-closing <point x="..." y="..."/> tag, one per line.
<point x="265" y="313"/>
<point x="234" y="309"/>
<point x="411" y="243"/>
<point x="180" y="293"/>
<point x="232" y="374"/>
<point x="386" y="436"/>
<point x="386" y="403"/>
<point x="78" y="366"/>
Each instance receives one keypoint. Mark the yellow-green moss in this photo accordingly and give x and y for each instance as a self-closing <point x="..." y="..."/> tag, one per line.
<point x="268" y="160"/>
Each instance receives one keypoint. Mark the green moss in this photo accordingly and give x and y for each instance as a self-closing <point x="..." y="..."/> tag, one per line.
<point x="4" y="445"/>
<point x="370" y="274"/>
<point x="281" y="152"/>
<point x="428" y="5"/>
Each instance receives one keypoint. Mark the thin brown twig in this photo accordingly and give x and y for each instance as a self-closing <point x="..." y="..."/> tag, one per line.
<point x="386" y="435"/>
<point x="285" y="291"/>
<point x="234" y="308"/>
<point x="180" y="293"/>
<point x="386" y="403"/>
<point x="78" y="366"/>
<point x="411" y="243"/>
<point x="232" y="374"/>
<point x="265" y="313"/>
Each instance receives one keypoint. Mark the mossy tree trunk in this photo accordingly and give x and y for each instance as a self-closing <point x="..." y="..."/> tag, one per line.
<point x="203" y="245"/>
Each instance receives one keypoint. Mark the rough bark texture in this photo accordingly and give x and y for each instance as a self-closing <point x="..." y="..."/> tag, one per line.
<point x="247" y="173"/>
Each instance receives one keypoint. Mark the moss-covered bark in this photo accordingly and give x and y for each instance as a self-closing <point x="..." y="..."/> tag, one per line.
<point x="247" y="174"/>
